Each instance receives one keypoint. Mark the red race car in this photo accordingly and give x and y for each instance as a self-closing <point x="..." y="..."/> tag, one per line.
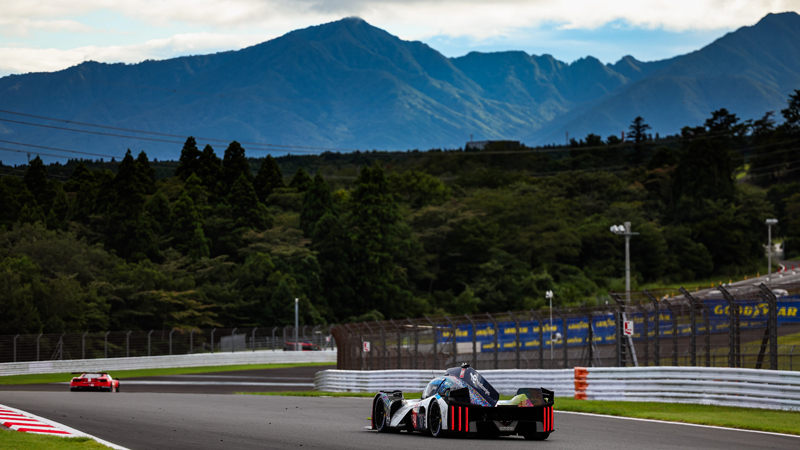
<point x="93" y="381"/>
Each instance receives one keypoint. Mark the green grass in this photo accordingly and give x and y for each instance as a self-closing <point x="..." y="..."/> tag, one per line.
<point x="706" y="283"/>
<point x="14" y="440"/>
<point x="723" y="416"/>
<point x="122" y="374"/>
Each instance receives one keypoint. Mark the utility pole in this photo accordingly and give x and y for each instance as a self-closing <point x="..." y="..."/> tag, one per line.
<point x="770" y="223"/>
<point x="296" y="321"/>
<point x="625" y="230"/>
<point x="549" y="295"/>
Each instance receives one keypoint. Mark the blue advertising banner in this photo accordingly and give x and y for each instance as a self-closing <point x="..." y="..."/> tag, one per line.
<point x="752" y="315"/>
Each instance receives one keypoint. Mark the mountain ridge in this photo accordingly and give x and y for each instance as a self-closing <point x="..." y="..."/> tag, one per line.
<point x="349" y="84"/>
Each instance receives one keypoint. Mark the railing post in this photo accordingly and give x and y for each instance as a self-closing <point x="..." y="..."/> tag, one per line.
<point x="656" y="329"/>
<point x="416" y="345"/>
<point x="693" y="319"/>
<point x="674" y="333"/>
<point x="621" y="356"/>
<point x="38" y="346"/>
<point x="385" y="352"/>
<point x="564" y="337"/>
<point x="105" y="343"/>
<point x="474" y="342"/>
<point x="233" y="341"/>
<point x="61" y="346"/>
<point x="253" y="339"/>
<point x="772" y="324"/>
<point x="399" y="345"/>
<point x="191" y="341"/>
<point x="435" y="346"/>
<point x="128" y="344"/>
<point x="83" y="345"/>
<point x="170" y="341"/>
<point x="541" y="338"/>
<point x="496" y="347"/>
<point x="212" y="339"/>
<point x="516" y="346"/>
<point x="455" y="340"/>
<point x="369" y="330"/>
<point x="273" y="338"/>
<point x="148" y="342"/>
<point x="15" y="347"/>
<point x="646" y="334"/>
<point x="733" y="313"/>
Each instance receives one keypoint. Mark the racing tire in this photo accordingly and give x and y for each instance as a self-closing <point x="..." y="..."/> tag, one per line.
<point x="536" y="436"/>
<point x="435" y="420"/>
<point x="379" y="417"/>
<point x="72" y="389"/>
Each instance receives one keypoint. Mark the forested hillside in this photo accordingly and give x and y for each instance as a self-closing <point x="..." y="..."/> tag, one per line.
<point x="231" y="240"/>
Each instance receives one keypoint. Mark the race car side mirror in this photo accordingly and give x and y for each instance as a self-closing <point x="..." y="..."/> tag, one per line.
<point x="446" y="394"/>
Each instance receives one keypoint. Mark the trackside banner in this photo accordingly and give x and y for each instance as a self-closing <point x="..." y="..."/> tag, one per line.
<point x="752" y="315"/>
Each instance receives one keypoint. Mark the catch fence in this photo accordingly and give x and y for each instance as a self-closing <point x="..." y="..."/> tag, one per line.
<point x="723" y="327"/>
<point x="126" y="344"/>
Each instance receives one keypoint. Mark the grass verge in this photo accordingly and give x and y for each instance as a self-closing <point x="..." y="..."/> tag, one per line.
<point x="722" y="416"/>
<point x="14" y="440"/>
<point x="122" y="374"/>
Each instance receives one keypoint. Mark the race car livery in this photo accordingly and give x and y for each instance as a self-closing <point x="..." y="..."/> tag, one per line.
<point x="463" y="403"/>
<point x="93" y="381"/>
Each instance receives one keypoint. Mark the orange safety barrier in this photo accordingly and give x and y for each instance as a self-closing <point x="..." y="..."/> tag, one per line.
<point x="581" y="383"/>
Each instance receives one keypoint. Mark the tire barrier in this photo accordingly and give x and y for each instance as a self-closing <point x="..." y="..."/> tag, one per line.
<point x="750" y="388"/>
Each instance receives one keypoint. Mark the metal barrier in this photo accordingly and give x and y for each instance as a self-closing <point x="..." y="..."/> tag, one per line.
<point x="751" y="388"/>
<point x="505" y="381"/>
<point x="160" y="362"/>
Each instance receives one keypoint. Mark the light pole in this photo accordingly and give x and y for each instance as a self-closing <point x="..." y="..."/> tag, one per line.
<point x="625" y="230"/>
<point x="296" y="320"/>
<point x="770" y="223"/>
<point x="549" y="295"/>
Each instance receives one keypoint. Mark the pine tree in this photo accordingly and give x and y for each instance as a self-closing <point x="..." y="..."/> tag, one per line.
<point x="375" y="242"/>
<point x="316" y="203"/>
<point x="129" y="233"/>
<point x="31" y="213"/>
<point x="332" y="244"/>
<point x="638" y="136"/>
<point x="147" y="173"/>
<point x="194" y="187"/>
<point x="187" y="228"/>
<point x="57" y="218"/>
<point x="301" y="181"/>
<point x="188" y="162"/>
<point x="38" y="183"/>
<point x="248" y="212"/>
<point x="234" y="165"/>
<point x="268" y="179"/>
<point x="209" y="169"/>
<point x="158" y="210"/>
<point x="79" y="176"/>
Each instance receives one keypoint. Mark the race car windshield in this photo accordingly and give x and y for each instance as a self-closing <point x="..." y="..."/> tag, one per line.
<point x="431" y="388"/>
<point x="91" y="375"/>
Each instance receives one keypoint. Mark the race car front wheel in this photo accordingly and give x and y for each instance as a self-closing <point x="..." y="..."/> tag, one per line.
<point x="435" y="420"/>
<point x="379" y="417"/>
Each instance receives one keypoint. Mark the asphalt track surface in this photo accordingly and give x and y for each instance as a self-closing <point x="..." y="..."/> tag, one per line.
<point x="214" y="421"/>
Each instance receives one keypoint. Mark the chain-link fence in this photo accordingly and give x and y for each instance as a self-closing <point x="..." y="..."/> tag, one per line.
<point x="723" y="327"/>
<point x="121" y="344"/>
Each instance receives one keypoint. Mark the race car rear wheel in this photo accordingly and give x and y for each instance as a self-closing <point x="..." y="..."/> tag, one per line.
<point x="536" y="436"/>
<point x="379" y="417"/>
<point x="435" y="420"/>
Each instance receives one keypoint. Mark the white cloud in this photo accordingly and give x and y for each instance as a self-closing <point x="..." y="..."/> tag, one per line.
<point x="22" y="60"/>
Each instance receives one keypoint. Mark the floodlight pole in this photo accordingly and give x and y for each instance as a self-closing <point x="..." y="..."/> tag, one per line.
<point x="770" y="223"/>
<point x="296" y="320"/>
<point x="625" y="230"/>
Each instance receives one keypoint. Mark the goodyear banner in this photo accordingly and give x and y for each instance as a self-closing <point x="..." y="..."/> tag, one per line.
<point x="752" y="315"/>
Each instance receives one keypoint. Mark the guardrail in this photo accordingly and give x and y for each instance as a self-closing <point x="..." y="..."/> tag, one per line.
<point x="162" y="362"/>
<point x="768" y="389"/>
<point x="505" y="381"/>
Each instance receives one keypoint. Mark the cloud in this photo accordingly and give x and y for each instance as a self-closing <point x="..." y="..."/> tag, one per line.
<point x="22" y="60"/>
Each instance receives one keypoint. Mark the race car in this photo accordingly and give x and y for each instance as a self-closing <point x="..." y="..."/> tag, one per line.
<point x="93" y="381"/>
<point x="462" y="403"/>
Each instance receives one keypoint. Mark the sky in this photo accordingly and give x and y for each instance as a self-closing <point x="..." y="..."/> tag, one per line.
<point x="41" y="35"/>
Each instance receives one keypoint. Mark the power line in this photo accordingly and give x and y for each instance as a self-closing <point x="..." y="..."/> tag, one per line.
<point x="59" y="149"/>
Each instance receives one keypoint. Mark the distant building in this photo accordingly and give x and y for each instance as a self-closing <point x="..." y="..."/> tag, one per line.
<point x="493" y="145"/>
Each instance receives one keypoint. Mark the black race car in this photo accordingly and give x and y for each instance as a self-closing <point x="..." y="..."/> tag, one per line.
<point x="463" y="403"/>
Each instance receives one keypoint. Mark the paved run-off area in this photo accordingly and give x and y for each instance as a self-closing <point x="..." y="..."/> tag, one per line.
<point x="213" y="421"/>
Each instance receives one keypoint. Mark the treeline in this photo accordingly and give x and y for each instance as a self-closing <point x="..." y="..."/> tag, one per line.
<point x="232" y="241"/>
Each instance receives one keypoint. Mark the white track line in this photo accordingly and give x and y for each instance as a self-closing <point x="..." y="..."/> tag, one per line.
<point x="18" y="415"/>
<point x="676" y="423"/>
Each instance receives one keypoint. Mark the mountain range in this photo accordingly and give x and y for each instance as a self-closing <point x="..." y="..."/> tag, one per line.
<point x="350" y="85"/>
